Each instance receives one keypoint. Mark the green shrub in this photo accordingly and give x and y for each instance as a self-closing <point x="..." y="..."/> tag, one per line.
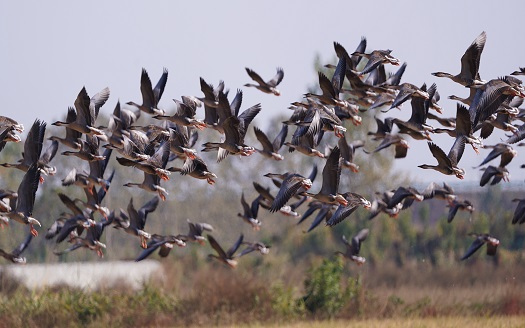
<point x="324" y="293"/>
<point x="284" y="304"/>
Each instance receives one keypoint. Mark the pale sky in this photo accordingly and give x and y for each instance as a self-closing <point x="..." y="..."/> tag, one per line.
<point x="51" y="49"/>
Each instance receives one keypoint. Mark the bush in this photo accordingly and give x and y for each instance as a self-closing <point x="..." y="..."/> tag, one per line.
<point x="324" y="295"/>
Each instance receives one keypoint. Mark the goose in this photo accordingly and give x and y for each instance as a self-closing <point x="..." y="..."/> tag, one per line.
<point x="150" y="183"/>
<point x="234" y="142"/>
<point x="196" y="168"/>
<point x="163" y="243"/>
<point x="266" y="199"/>
<point x="226" y="257"/>
<point x="234" y="126"/>
<point x="292" y="183"/>
<point x="462" y="132"/>
<point x="395" y="79"/>
<point x="380" y="204"/>
<point x="331" y="174"/>
<point x="376" y="58"/>
<point x="491" y="95"/>
<point x="129" y="149"/>
<point x="79" y="179"/>
<point x="181" y="141"/>
<point x="305" y="145"/>
<point x="72" y="138"/>
<point x="155" y="164"/>
<point x="92" y="239"/>
<point x="519" y="212"/>
<point x="87" y="111"/>
<point x="210" y="98"/>
<point x="343" y="211"/>
<point x="435" y="191"/>
<point x="249" y="214"/>
<point x="467" y="101"/>
<point x="496" y="174"/>
<point x="226" y="110"/>
<point x="196" y="231"/>
<point x="88" y="150"/>
<point x="154" y="133"/>
<point x="150" y="96"/>
<point x="330" y="88"/>
<point x="45" y="158"/>
<point x="32" y="147"/>
<point x="97" y="170"/>
<point x="469" y="64"/>
<point x="382" y="99"/>
<point x="254" y="246"/>
<point x="405" y="195"/>
<point x="324" y="213"/>
<point x="15" y="255"/>
<point x="25" y="201"/>
<point x="456" y="205"/>
<point x="5" y="138"/>
<point x="121" y="122"/>
<point x="446" y="122"/>
<point x="11" y="196"/>
<point x="69" y="227"/>
<point x="481" y="239"/>
<point x="211" y="102"/>
<point x="137" y="219"/>
<point x="95" y="197"/>
<point x="416" y="126"/>
<point x="70" y="224"/>
<point x="185" y="115"/>
<point x="407" y="91"/>
<point x="354" y="246"/>
<point x="401" y="146"/>
<point x="504" y="150"/>
<point x="348" y="152"/>
<point x="9" y="123"/>
<point x="325" y="119"/>
<point x="271" y="149"/>
<point x="499" y="120"/>
<point x="266" y="87"/>
<point x="384" y="128"/>
<point x="520" y="71"/>
<point x="351" y="61"/>
<point x="447" y="164"/>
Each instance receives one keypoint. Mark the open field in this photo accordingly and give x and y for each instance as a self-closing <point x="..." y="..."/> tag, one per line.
<point x="442" y="322"/>
<point x="329" y="294"/>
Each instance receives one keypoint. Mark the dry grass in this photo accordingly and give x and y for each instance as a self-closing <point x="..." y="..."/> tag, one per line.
<point x="441" y="322"/>
<point x="210" y="294"/>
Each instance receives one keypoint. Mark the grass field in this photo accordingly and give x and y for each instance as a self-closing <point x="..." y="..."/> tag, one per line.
<point x="217" y="296"/>
<point x="442" y="322"/>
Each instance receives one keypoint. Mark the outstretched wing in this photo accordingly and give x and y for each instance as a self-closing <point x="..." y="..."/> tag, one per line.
<point x="473" y="248"/>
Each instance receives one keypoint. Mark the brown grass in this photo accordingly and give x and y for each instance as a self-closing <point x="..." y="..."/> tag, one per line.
<point x="210" y="294"/>
<point x="441" y="322"/>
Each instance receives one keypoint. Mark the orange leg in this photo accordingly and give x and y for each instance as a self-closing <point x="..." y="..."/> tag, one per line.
<point x="33" y="230"/>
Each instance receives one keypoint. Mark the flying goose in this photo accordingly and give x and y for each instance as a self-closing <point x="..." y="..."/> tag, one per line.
<point x="266" y="87"/>
<point x="150" y="96"/>
<point x="354" y="246"/>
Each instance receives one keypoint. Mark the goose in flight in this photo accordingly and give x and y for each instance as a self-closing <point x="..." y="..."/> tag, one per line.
<point x="150" y="96"/>
<point x="226" y="257"/>
<point x="354" y="246"/>
<point x="481" y="239"/>
<point x="469" y="64"/>
<point x="15" y="255"/>
<point x="266" y="87"/>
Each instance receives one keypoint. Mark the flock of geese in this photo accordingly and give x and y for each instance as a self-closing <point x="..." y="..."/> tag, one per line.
<point x="492" y="104"/>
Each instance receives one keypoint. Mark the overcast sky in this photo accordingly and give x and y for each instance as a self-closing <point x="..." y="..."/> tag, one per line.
<point x="50" y="49"/>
